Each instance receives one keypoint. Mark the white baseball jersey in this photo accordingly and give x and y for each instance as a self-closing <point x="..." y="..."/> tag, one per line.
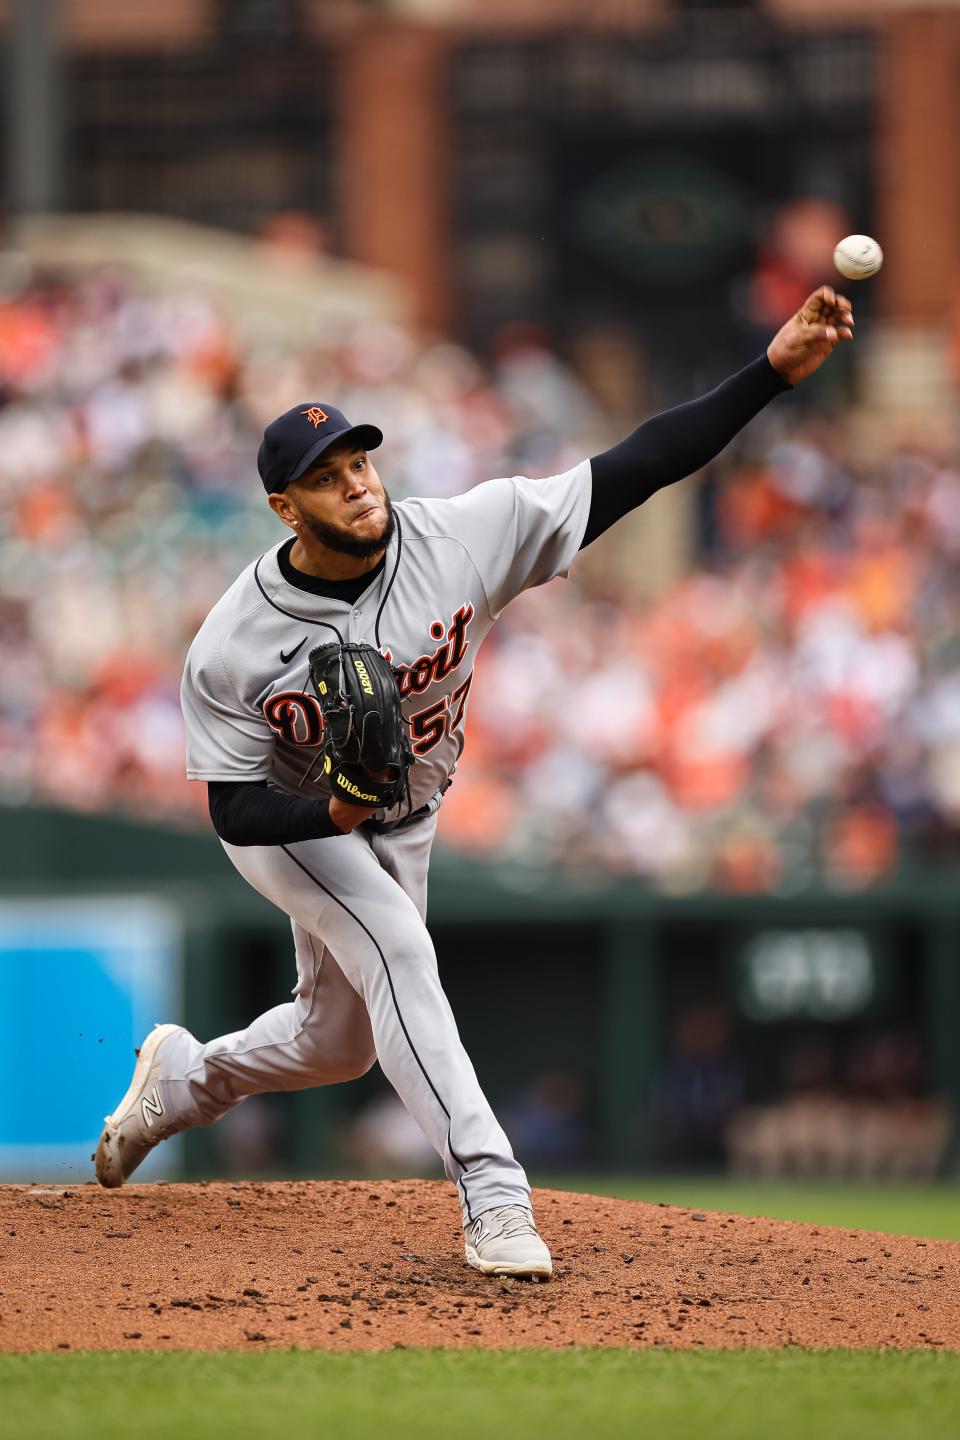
<point x="451" y="567"/>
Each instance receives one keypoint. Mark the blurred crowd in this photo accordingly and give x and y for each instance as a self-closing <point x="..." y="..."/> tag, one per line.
<point x="847" y="1106"/>
<point x="871" y="1116"/>
<point x="789" y="710"/>
<point x="129" y="501"/>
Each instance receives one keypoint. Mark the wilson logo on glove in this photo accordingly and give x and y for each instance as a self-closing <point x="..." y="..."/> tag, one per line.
<point x="354" y="790"/>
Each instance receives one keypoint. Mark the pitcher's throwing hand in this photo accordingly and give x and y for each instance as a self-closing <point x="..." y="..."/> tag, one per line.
<point x="811" y="336"/>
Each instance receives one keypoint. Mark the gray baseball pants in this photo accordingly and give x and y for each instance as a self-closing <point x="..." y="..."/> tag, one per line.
<point x="367" y="989"/>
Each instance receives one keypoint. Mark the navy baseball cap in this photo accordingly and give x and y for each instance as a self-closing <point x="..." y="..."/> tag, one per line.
<point x="293" y="441"/>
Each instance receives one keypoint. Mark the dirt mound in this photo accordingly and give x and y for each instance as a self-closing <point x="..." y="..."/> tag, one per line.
<point x="347" y="1265"/>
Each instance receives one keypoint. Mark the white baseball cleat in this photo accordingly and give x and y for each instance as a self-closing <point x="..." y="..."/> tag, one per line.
<point x="504" y="1241"/>
<point x="140" y="1121"/>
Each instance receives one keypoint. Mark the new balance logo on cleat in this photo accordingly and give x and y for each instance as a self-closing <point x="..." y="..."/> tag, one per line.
<point x="507" y="1243"/>
<point x="151" y="1105"/>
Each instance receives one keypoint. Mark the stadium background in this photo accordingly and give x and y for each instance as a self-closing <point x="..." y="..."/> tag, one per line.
<point x="705" y="830"/>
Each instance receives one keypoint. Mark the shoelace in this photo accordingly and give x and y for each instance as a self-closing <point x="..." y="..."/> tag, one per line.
<point x="513" y="1221"/>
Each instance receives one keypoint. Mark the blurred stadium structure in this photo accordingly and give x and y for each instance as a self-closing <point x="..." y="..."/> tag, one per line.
<point x="506" y="233"/>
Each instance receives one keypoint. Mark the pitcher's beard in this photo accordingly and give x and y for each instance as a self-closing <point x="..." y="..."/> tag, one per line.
<point x="346" y="544"/>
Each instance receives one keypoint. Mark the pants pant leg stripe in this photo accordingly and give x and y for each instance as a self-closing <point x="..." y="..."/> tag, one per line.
<point x="396" y="1006"/>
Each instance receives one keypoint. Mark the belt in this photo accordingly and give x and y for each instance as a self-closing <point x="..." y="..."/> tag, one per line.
<point x="390" y="827"/>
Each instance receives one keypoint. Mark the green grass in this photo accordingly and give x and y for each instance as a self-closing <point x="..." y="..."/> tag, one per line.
<point x="566" y="1395"/>
<point x="931" y="1211"/>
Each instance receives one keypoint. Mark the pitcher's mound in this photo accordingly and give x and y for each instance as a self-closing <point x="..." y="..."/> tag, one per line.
<point x="347" y="1265"/>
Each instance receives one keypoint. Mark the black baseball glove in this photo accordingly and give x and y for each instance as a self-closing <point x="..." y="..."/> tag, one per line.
<point x="365" y="749"/>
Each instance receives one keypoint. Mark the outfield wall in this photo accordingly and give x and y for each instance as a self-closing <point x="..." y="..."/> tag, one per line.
<point x="548" y="975"/>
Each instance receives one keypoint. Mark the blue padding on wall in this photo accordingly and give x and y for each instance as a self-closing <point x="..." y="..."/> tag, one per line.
<point x="81" y="983"/>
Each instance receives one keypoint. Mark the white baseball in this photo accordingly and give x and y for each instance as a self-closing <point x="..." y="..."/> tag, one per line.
<point x="858" y="257"/>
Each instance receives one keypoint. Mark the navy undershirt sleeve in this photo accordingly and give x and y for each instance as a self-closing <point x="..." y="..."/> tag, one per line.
<point x="248" y="812"/>
<point x="676" y="443"/>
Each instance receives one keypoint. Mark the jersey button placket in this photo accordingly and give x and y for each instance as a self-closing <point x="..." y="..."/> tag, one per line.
<point x="354" y="624"/>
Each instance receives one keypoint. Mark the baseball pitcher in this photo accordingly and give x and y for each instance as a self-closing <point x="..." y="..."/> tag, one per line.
<point x="324" y="700"/>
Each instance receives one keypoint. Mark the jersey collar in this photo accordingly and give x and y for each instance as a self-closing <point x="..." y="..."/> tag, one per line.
<point x="298" y="603"/>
